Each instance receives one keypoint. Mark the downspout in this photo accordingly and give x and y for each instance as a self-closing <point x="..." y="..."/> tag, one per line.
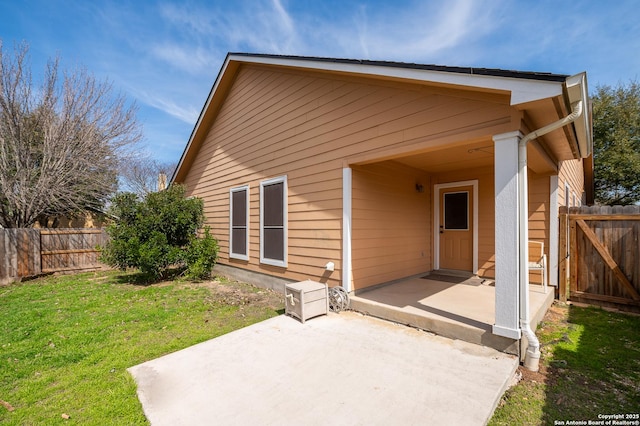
<point x="532" y="356"/>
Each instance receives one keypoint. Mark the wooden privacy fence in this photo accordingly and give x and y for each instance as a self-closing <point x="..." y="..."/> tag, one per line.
<point x="599" y="256"/>
<point x="29" y="252"/>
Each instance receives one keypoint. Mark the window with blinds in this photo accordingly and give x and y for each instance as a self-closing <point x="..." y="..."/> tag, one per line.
<point x="239" y="223"/>
<point x="273" y="221"/>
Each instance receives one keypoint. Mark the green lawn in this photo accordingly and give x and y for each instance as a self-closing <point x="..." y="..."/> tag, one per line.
<point x="66" y="341"/>
<point x="590" y="366"/>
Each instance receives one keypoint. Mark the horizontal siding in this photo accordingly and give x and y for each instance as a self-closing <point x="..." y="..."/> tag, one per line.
<point x="391" y="224"/>
<point x="571" y="172"/>
<point x="344" y="121"/>
<point x="539" y="204"/>
<point x="304" y="125"/>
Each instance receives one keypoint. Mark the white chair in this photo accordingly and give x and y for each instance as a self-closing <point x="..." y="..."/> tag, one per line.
<point x="538" y="260"/>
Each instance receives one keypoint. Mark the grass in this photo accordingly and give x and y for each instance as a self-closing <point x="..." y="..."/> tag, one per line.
<point x="590" y="366"/>
<point x="66" y="341"/>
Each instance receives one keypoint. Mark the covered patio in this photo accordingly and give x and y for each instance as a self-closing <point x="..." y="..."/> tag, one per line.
<point x="458" y="307"/>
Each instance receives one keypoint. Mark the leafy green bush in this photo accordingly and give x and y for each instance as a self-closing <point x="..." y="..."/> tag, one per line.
<point x="200" y="256"/>
<point x="159" y="232"/>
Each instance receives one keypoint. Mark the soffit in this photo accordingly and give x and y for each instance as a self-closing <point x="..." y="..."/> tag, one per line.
<point x="559" y="144"/>
<point x="472" y="156"/>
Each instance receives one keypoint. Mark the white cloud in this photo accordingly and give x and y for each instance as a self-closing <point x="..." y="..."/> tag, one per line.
<point x="362" y="29"/>
<point x="417" y="33"/>
<point x="190" y="59"/>
<point x="264" y="27"/>
<point x="167" y="54"/>
<point x="187" y="114"/>
<point x="284" y="18"/>
<point x="197" y="20"/>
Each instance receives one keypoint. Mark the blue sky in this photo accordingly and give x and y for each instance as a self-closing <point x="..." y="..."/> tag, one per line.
<point x="165" y="55"/>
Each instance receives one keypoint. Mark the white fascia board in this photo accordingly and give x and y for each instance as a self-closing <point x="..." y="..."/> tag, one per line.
<point x="577" y="90"/>
<point x="522" y="90"/>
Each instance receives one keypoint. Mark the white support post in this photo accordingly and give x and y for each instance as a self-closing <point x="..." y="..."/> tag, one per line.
<point x="554" y="235"/>
<point x="506" y="235"/>
<point x="346" y="228"/>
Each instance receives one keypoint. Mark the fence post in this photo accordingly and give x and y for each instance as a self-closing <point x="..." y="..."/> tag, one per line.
<point x="564" y="256"/>
<point x="573" y="256"/>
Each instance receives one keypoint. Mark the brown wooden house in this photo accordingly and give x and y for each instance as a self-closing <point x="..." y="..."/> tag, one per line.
<point x="388" y="170"/>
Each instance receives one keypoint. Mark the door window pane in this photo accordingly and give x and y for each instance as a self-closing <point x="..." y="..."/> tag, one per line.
<point x="456" y="210"/>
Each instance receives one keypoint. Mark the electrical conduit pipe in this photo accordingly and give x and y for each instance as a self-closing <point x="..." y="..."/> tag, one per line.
<point x="532" y="356"/>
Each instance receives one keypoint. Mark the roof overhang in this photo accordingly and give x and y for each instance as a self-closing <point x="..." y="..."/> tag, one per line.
<point x="522" y="88"/>
<point x="576" y="90"/>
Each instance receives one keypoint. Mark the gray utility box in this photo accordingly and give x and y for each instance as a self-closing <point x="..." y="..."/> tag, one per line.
<point x="306" y="299"/>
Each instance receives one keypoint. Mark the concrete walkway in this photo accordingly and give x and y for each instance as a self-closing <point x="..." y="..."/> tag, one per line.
<point x="345" y="369"/>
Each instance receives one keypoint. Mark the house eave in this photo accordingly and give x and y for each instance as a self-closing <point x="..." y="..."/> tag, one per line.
<point x="522" y="86"/>
<point x="576" y="90"/>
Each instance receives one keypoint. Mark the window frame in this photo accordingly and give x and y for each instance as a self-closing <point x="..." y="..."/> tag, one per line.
<point x="444" y="211"/>
<point x="567" y="194"/>
<point x="233" y="255"/>
<point x="265" y="260"/>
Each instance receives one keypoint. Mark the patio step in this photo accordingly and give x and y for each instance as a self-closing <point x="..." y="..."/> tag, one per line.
<point x="440" y="323"/>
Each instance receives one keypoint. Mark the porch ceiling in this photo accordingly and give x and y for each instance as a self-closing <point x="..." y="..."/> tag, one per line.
<point x="471" y="156"/>
<point x="543" y="153"/>
<point x="461" y="157"/>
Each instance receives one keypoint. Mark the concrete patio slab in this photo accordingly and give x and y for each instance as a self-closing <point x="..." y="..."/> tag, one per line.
<point x="345" y="368"/>
<point x="462" y="310"/>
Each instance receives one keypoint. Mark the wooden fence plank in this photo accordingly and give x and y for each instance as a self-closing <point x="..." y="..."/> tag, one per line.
<point x="604" y="249"/>
<point x="29" y="252"/>
<point x="71" y="231"/>
<point x="564" y="257"/>
<point x="605" y="217"/>
<point x="573" y="249"/>
<point x="606" y="256"/>
<point x="68" y="251"/>
<point x="605" y="298"/>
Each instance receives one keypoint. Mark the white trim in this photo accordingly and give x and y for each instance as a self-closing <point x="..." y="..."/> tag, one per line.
<point x="507" y="275"/>
<point x="436" y="220"/>
<point x="521" y="90"/>
<point x="231" y="253"/>
<point x="346" y="228"/>
<point x="511" y="333"/>
<point x="554" y="235"/>
<point x="267" y="261"/>
<point x="577" y="91"/>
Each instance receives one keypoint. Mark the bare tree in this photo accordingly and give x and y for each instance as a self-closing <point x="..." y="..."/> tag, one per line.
<point x="60" y="142"/>
<point x="143" y="174"/>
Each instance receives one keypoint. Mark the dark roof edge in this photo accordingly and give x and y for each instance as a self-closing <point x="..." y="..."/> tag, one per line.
<point x="494" y="72"/>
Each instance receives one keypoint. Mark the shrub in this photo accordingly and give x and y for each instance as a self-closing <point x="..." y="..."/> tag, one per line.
<point x="201" y="255"/>
<point x="159" y="232"/>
